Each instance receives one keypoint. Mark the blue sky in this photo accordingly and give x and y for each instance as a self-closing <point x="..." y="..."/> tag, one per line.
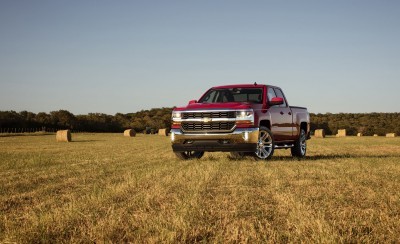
<point x="125" y="56"/>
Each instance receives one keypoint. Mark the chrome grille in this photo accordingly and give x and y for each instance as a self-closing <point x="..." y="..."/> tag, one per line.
<point x="204" y="127"/>
<point x="196" y="115"/>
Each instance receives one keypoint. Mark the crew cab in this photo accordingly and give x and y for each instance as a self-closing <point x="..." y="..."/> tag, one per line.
<point x="247" y="119"/>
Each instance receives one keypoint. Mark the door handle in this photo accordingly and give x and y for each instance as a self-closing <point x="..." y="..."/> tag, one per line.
<point x="290" y="113"/>
<point x="281" y="113"/>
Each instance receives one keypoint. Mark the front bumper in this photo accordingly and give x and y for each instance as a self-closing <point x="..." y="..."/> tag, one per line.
<point x="240" y="140"/>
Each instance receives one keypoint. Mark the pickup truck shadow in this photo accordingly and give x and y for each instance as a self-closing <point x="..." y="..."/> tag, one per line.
<point x="316" y="157"/>
<point x="77" y="141"/>
<point x="322" y="157"/>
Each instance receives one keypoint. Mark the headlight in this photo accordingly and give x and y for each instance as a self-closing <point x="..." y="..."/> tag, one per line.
<point x="176" y="120"/>
<point x="245" y="117"/>
<point x="176" y="115"/>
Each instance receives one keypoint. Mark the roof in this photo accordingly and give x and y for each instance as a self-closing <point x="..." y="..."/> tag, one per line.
<point x="242" y="86"/>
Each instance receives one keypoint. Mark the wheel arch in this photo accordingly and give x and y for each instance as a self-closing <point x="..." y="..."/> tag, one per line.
<point x="303" y="125"/>
<point x="306" y="127"/>
<point x="265" y="123"/>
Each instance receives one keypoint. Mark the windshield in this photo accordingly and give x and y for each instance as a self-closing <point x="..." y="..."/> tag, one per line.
<point x="251" y="95"/>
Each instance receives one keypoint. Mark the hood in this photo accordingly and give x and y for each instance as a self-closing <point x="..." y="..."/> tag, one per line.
<point x="215" y="106"/>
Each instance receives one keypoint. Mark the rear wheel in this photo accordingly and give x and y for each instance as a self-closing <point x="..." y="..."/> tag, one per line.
<point x="300" y="146"/>
<point x="266" y="144"/>
<point x="189" y="155"/>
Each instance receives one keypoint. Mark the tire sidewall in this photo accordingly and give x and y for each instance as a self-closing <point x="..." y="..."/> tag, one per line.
<point x="263" y="128"/>
<point x="296" y="150"/>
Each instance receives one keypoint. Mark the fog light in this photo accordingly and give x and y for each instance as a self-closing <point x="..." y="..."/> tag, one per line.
<point x="246" y="136"/>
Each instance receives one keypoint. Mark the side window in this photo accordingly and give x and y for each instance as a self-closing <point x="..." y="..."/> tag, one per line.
<point x="270" y="94"/>
<point x="280" y="94"/>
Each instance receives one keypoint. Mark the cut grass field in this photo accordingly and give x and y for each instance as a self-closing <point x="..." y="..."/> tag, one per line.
<point x="111" y="188"/>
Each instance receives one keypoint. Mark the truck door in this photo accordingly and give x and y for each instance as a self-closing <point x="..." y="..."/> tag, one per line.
<point x="281" y="117"/>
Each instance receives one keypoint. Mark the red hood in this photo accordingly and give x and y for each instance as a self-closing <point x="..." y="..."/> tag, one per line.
<point x="216" y="106"/>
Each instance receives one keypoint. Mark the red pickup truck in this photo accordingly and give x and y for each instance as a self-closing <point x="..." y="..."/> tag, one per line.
<point x="248" y="119"/>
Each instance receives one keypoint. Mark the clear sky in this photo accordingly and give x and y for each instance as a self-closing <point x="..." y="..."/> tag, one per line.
<point x="125" y="56"/>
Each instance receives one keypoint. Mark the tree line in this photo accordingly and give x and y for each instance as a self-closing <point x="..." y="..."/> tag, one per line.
<point x="366" y="123"/>
<point x="158" y="118"/>
<point x="93" y="122"/>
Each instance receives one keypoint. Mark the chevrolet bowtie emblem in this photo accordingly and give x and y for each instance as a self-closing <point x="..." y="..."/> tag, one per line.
<point x="206" y="120"/>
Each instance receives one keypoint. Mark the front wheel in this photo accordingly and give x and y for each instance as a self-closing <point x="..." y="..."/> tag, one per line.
<point x="300" y="146"/>
<point x="189" y="155"/>
<point x="266" y="144"/>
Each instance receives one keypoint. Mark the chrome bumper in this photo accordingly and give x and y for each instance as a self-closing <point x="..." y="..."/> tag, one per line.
<point x="240" y="140"/>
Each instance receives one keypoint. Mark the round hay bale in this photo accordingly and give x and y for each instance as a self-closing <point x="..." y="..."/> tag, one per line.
<point x="130" y="133"/>
<point x="63" y="135"/>
<point x="359" y="134"/>
<point x="341" y="133"/>
<point x="163" y="132"/>
<point x="319" y="133"/>
<point x="391" y="135"/>
<point x="375" y="134"/>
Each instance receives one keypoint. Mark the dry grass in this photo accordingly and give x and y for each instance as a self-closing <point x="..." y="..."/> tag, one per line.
<point x="107" y="188"/>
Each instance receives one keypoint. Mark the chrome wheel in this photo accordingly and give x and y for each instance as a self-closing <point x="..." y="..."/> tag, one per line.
<point x="266" y="144"/>
<point x="303" y="142"/>
<point x="299" y="148"/>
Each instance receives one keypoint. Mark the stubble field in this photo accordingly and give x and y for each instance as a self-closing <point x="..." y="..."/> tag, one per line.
<point x="110" y="188"/>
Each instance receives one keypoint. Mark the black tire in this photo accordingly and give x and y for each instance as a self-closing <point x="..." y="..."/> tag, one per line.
<point x="189" y="155"/>
<point x="265" y="145"/>
<point x="299" y="149"/>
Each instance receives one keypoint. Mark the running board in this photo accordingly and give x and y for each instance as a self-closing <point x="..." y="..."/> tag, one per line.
<point x="284" y="146"/>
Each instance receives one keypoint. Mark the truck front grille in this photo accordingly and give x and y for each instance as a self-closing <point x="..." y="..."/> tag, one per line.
<point x="207" y="127"/>
<point x="196" y="115"/>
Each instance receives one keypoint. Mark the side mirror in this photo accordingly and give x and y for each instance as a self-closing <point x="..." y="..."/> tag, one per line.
<point x="276" y="101"/>
<point x="192" y="101"/>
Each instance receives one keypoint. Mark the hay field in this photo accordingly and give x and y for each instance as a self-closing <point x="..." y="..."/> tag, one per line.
<point x="111" y="188"/>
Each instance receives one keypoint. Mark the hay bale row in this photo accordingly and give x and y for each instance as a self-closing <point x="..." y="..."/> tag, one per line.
<point x="130" y="133"/>
<point x="319" y="133"/>
<point x="163" y="132"/>
<point x="63" y="136"/>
